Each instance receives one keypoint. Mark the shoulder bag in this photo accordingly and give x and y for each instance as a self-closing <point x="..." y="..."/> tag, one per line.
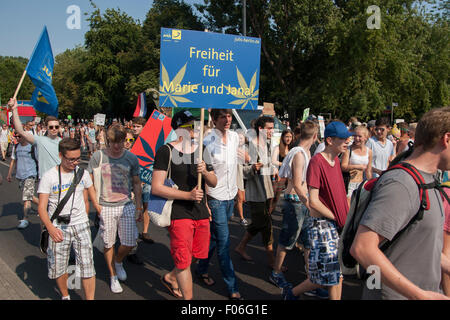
<point x="160" y="209"/>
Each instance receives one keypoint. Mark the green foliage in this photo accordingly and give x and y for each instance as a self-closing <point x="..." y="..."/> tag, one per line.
<point x="316" y="54"/>
<point x="11" y="70"/>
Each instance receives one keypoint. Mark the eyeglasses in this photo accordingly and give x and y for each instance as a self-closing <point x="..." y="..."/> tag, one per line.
<point x="73" y="159"/>
<point x="130" y="140"/>
<point x="53" y="127"/>
<point x="380" y="129"/>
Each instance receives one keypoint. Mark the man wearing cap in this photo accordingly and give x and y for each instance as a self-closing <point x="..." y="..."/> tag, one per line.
<point x="329" y="207"/>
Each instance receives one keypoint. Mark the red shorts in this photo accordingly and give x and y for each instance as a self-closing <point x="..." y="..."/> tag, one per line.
<point x="189" y="238"/>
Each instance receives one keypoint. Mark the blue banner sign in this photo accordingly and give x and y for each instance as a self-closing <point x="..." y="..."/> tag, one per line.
<point x="208" y="70"/>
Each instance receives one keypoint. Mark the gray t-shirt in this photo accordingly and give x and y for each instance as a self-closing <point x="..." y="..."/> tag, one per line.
<point x="417" y="252"/>
<point x="116" y="177"/>
<point x="47" y="153"/>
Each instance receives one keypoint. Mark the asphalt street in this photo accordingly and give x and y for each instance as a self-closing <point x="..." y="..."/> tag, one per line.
<point x="19" y="250"/>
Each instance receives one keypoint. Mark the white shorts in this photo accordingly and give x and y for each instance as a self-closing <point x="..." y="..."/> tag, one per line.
<point x="120" y="219"/>
<point x="58" y="252"/>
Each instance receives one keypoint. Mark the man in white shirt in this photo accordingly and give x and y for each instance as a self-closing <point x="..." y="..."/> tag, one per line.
<point x="4" y="134"/>
<point x="382" y="148"/>
<point x="222" y="144"/>
<point x="72" y="224"/>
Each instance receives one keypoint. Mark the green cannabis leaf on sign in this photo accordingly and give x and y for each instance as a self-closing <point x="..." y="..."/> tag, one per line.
<point x="172" y="89"/>
<point x="244" y="94"/>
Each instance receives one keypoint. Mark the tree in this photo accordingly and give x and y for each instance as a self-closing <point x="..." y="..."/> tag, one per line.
<point x="11" y="69"/>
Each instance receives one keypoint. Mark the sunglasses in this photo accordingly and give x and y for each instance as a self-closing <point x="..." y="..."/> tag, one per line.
<point x="130" y="140"/>
<point x="53" y="127"/>
<point x="73" y="159"/>
<point x="380" y="129"/>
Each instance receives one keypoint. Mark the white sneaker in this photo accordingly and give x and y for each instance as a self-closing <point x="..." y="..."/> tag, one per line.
<point x="121" y="274"/>
<point x="23" y="224"/>
<point x="115" y="285"/>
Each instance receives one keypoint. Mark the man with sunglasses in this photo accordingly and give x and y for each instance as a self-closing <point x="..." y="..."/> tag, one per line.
<point x="46" y="146"/>
<point x="71" y="227"/>
<point x="382" y="148"/>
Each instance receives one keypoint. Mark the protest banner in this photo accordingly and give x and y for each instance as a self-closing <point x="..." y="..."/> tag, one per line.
<point x="99" y="119"/>
<point x="305" y="114"/>
<point x="157" y="132"/>
<point x="208" y="70"/>
<point x="40" y="71"/>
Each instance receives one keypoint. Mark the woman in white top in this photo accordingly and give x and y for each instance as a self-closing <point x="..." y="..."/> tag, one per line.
<point x="359" y="163"/>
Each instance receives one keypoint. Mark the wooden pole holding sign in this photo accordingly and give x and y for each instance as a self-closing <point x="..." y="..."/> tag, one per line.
<point x="20" y="84"/>
<point x="200" y="146"/>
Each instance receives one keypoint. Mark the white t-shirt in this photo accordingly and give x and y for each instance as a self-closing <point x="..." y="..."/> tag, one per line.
<point x="50" y="185"/>
<point x="380" y="153"/>
<point x="224" y="159"/>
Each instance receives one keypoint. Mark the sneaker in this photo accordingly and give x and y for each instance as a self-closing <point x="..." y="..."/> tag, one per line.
<point x="134" y="258"/>
<point x="23" y="224"/>
<point x="65" y="298"/>
<point x="319" y="293"/>
<point x="115" y="285"/>
<point x="287" y="294"/>
<point x="121" y="274"/>
<point x="278" y="279"/>
<point x="244" y="222"/>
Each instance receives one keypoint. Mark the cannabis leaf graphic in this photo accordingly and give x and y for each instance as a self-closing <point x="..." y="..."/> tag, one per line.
<point x="245" y="94"/>
<point x="168" y="88"/>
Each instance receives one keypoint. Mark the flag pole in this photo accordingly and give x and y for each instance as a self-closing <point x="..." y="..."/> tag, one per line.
<point x="200" y="146"/>
<point x="20" y="84"/>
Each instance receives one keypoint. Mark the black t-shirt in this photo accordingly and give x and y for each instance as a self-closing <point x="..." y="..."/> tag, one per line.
<point x="185" y="177"/>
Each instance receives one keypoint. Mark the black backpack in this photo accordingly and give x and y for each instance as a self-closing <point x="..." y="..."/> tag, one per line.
<point x="360" y="201"/>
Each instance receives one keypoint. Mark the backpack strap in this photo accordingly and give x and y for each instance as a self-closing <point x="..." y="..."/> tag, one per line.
<point x="423" y="193"/>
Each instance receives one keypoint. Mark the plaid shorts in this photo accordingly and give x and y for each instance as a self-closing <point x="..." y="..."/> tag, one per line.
<point x="120" y="219"/>
<point x="27" y="187"/>
<point x="324" y="267"/>
<point x="58" y="253"/>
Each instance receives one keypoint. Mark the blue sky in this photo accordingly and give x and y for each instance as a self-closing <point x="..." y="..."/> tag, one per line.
<point x="21" y="22"/>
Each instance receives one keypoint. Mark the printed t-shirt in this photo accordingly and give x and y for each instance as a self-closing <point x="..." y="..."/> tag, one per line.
<point x="117" y="176"/>
<point x="49" y="184"/>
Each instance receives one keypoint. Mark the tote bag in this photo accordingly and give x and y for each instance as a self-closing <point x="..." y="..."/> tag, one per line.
<point x="160" y="209"/>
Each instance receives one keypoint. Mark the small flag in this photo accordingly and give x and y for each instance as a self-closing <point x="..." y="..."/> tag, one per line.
<point x="141" y="106"/>
<point x="40" y="71"/>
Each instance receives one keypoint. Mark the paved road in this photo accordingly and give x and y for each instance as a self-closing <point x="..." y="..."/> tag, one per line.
<point x="19" y="250"/>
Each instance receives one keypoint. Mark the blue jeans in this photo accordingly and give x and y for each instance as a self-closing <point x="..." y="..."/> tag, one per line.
<point x="221" y="212"/>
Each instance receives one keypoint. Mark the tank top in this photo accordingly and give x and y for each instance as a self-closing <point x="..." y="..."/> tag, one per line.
<point x="357" y="159"/>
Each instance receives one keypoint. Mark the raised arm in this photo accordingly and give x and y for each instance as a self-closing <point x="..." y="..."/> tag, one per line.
<point x="17" y="124"/>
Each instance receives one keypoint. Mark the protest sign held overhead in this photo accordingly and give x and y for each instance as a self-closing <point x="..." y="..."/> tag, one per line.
<point x="209" y="70"/>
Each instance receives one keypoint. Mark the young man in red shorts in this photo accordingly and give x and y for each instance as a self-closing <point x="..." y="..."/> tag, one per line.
<point x="189" y="229"/>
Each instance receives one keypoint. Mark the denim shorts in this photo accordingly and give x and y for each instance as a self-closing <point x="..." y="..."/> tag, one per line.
<point x="146" y="189"/>
<point x="294" y="224"/>
<point x="324" y="267"/>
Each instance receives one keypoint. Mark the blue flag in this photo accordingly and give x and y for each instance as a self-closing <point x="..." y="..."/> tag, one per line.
<point x="40" y="71"/>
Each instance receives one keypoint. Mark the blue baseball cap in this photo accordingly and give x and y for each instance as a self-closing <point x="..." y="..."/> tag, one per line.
<point x="337" y="129"/>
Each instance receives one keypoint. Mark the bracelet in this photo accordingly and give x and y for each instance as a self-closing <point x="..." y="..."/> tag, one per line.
<point x="140" y="209"/>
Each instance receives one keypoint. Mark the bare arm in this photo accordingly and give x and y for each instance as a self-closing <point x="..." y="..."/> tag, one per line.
<point x="137" y="189"/>
<point x="18" y="124"/>
<point x="317" y="207"/>
<point x="298" y="163"/>
<point x="159" y="189"/>
<point x="55" y="233"/>
<point x="369" y="166"/>
<point x="11" y="169"/>
<point x="209" y="176"/>
<point x="366" y="251"/>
